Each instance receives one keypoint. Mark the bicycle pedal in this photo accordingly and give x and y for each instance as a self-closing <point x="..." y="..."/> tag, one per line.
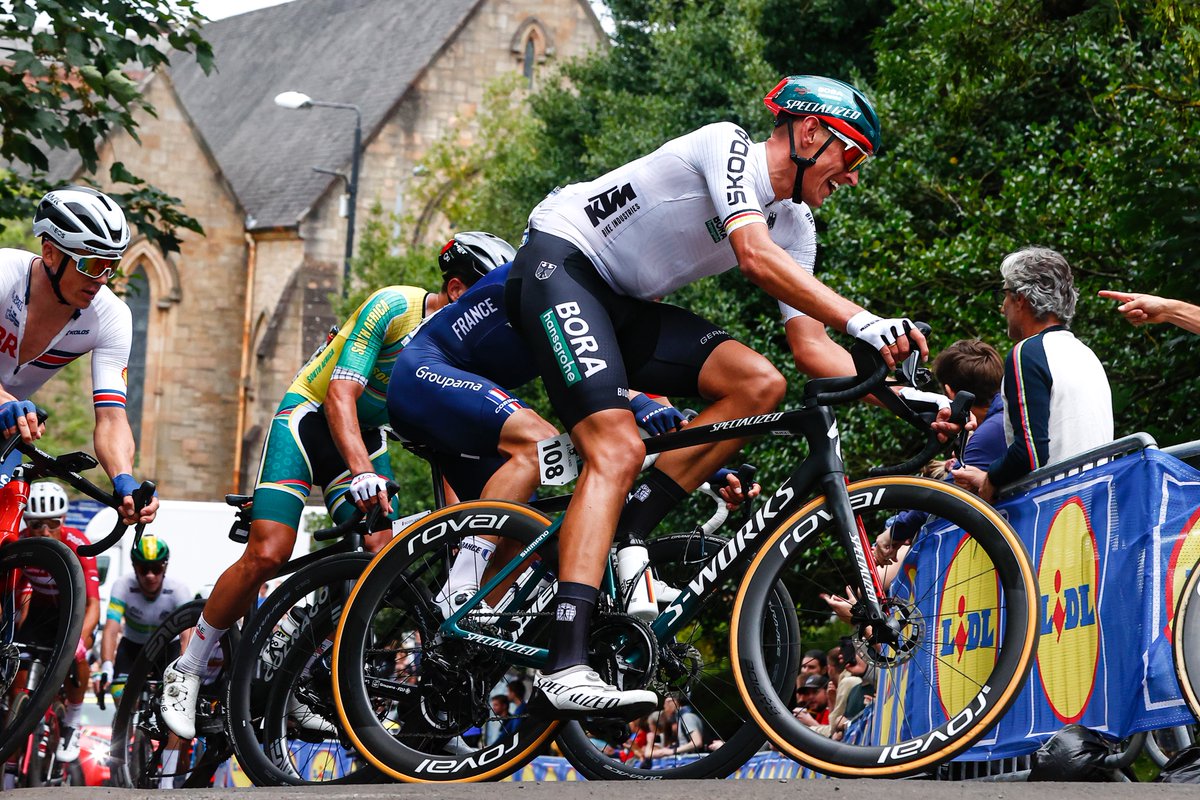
<point x="207" y="726"/>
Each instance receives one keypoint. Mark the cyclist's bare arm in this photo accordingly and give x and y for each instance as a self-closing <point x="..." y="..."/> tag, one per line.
<point x="108" y="642"/>
<point x="91" y="618"/>
<point x="769" y="267"/>
<point x="341" y="413"/>
<point x="115" y="449"/>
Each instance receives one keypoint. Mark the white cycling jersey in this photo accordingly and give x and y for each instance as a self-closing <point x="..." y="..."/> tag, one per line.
<point x="663" y="221"/>
<point x="142" y="614"/>
<point x="104" y="328"/>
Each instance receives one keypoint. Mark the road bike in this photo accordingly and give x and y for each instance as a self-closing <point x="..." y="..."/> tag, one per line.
<point x="37" y="652"/>
<point x="408" y="683"/>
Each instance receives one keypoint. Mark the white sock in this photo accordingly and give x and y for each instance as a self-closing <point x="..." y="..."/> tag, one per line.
<point x="71" y="716"/>
<point x="200" y="648"/>
<point x="170" y="762"/>
<point x="469" y="564"/>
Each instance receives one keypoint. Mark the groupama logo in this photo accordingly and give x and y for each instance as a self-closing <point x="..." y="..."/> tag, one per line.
<point x="1069" y="649"/>
<point x="968" y="618"/>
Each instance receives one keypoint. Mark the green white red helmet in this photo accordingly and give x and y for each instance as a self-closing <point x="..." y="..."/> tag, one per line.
<point x="838" y="105"/>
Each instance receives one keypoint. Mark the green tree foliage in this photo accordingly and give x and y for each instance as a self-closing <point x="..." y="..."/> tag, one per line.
<point x="71" y="81"/>
<point x="1066" y="123"/>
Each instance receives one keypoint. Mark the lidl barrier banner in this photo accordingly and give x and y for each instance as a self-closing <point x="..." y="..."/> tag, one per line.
<point x="543" y="769"/>
<point x="1112" y="547"/>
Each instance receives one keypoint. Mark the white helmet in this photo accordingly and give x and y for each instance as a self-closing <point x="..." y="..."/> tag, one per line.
<point x="83" y="222"/>
<point x="47" y="500"/>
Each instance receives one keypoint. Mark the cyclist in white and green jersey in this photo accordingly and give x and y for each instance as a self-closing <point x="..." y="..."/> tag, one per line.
<point x="326" y="432"/>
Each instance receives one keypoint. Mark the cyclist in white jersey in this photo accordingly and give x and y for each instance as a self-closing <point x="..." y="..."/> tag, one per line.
<point x="580" y="292"/>
<point x="57" y="306"/>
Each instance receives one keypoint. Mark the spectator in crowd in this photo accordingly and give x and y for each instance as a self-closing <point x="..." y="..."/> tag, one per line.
<point x="517" y="705"/>
<point x="639" y="747"/>
<point x="813" y="663"/>
<point x="678" y="728"/>
<point x="1057" y="400"/>
<point x="813" y="707"/>
<point x="849" y="685"/>
<point x="497" y="721"/>
<point x="1140" y="309"/>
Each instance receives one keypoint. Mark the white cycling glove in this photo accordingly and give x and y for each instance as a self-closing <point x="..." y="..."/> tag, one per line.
<point x="911" y="395"/>
<point x="876" y="331"/>
<point x="366" y="485"/>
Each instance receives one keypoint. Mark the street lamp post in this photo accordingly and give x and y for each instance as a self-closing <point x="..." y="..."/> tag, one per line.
<point x="299" y="100"/>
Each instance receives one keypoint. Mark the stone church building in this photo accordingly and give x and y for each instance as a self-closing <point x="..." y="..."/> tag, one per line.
<point x="222" y="326"/>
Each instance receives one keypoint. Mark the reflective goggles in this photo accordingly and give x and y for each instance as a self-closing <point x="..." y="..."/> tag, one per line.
<point x="150" y="569"/>
<point x="94" y="267"/>
<point x="51" y="524"/>
<point x="853" y="154"/>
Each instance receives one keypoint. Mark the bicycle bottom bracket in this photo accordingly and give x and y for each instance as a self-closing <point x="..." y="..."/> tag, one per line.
<point x="906" y="625"/>
<point x="624" y="651"/>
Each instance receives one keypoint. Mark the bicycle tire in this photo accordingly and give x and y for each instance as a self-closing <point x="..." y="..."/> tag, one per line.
<point x="43" y="754"/>
<point x="427" y="688"/>
<point x="708" y="688"/>
<point x="970" y="704"/>
<point x="138" y="732"/>
<point x="1185" y="642"/>
<point x="269" y="669"/>
<point x="63" y="628"/>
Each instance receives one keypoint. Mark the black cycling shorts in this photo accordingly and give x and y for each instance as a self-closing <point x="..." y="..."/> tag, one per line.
<point x="128" y="651"/>
<point x="592" y="344"/>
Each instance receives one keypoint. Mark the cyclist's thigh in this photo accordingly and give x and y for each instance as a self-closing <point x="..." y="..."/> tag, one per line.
<point x="451" y="410"/>
<point x="665" y="348"/>
<point x="468" y="475"/>
<point x="285" y="473"/>
<point x="127" y="653"/>
<point x="561" y="305"/>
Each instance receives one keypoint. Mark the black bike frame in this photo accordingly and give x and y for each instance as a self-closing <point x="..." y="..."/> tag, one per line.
<point x="822" y="471"/>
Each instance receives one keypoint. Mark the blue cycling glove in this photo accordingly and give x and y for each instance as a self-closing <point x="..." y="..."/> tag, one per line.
<point x="124" y="484"/>
<point x="11" y="411"/>
<point x="720" y="479"/>
<point x="653" y="417"/>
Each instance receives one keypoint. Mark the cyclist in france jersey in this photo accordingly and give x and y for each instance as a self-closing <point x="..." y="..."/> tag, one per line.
<point x="57" y="306"/>
<point x="45" y="515"/>
<point x="139" y="603"/>
<point x="450" y="390"/>
<point x="326" y="432"/>
<point x="580" y="294"/>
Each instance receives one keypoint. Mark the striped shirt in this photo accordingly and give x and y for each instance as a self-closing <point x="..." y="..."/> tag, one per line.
<point x="143" y="614"/>
<point x="104" y="329"/>
<point x="1057" y="403"/>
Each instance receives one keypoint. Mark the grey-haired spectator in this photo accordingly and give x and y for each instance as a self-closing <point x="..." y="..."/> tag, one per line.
<point x="1057" y="400"/>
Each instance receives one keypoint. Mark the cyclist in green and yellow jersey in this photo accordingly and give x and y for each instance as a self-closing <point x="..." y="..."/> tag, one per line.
<point x="327" y="433"/>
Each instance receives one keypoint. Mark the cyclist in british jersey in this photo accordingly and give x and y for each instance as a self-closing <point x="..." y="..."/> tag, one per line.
<point x="57" y="306"/>
<point x="580" y="294"/>
<point x="140" y="601"/>
<point x="45" y="515"/>
<point x="326" y="432"/>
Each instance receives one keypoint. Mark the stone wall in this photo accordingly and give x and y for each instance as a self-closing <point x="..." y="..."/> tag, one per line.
<point x="196" y="310"/>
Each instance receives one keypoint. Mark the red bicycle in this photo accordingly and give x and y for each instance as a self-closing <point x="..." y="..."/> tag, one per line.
<point x="38" y="650"/>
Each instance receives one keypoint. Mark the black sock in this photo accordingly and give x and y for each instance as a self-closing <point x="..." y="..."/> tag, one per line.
<point x="573" y="606"/>
<point x="652" y="500"/>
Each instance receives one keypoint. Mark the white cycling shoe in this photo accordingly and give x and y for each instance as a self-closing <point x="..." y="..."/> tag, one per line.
<point x="68" y="746"/>
<point x="449" y="601"/>
<point x="306" y="718"/>
<point x="664" y="593"/>
<point x="578" y="691"/>
<point x="179" y="693"/>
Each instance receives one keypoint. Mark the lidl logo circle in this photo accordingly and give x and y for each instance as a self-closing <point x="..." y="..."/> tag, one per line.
<point x="1069" y="650"/>
<point x="1184" y="556"/>
<point x="968" y="616"/>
